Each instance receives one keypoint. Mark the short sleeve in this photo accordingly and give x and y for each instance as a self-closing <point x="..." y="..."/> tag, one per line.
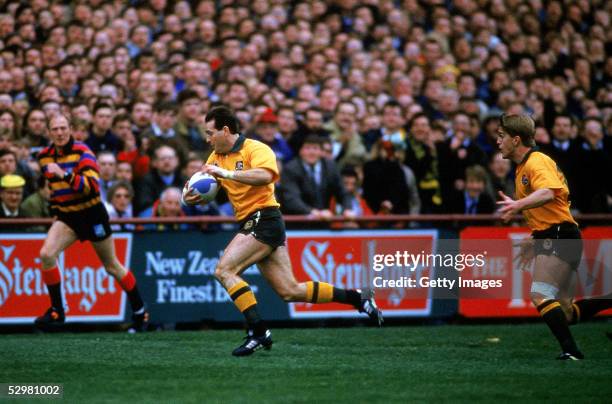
<point x="544" y="175"/>
<point x="263" y="157"/>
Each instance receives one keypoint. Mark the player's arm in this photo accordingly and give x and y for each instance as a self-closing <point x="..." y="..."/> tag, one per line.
<point x="511" y="207"/>
<point x="84" y="178"/>
<point x="254" y="176"/>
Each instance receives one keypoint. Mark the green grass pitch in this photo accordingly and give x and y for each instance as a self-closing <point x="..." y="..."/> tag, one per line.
<point x="393" y="364"/>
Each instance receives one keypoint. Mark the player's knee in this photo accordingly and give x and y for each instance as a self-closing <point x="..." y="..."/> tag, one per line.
<point x="290" y="294"/>
<point x="47" y="256"/>
<point x="114" y="269"/>
<point x="222" y="273"/>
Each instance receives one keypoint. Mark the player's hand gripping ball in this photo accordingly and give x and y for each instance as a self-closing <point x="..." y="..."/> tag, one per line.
<point x="201" y="188"/>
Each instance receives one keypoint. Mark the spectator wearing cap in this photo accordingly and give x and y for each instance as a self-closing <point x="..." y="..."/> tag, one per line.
<point x="266" y="131"/>
<point x="101" y="136"/>
<point x="11" y="196"/>
<point x="309" y="182"/>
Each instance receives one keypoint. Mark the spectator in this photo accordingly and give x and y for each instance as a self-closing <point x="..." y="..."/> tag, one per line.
<point x="309" y="182"/>
<point x="348" y="148"/>
<point x="473" y="199"/>
<point x="594" y="192"/>
<point x="124" y="172"/>
<point x="142" y="114"/>
<point x="187" y="123"/>
<point x="563" y="149"/>
<point x="35" y="129"/>
<point x="9" y="164"/>
<point x="457" y="153"/>
<point x="422" y="159"/>
<point x="266" y="131"/>
<point x="101" y="137"/>
<point x="118" y="204"/>
<point x="107" y="163"/>
<point x="168" y="205"/>
<point x="37" y="204"/>
<point x="9" y="123"/>
<point x="312" y="124"/>
<point x="11" y="196"/>
<point x="164" y="120"/>
<point x="392" y="129"/>
<point x="385" y="186"/>
<point x="351" y="184"/>
<point x="502" y="178"/>
<point x="165" y="173"/>
<point x="287" y="123"/>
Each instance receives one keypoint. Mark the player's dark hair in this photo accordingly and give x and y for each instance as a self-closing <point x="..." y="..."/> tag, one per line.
<point x="223" y="116"/>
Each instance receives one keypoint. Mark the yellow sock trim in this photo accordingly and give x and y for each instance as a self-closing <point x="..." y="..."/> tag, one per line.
<point x="237" y="287"/>
<point x="309" y="291"/>
<point x="245" y="301"/>
<point x="326" y="292"/>
<point x="549" y="308"/>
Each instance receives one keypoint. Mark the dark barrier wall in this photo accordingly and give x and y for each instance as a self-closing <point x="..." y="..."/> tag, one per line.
<point x="175" y="273"/>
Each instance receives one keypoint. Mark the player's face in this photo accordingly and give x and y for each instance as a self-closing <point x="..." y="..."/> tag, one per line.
<point x="59" y="130"/>
<point x="505" y="143"/>
<point x="218" y="138"/>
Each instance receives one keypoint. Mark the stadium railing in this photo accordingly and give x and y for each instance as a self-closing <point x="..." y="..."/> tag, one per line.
<point x="591" y="218"/>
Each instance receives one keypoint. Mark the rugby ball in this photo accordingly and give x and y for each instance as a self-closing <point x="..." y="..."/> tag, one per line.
<point x="204" y="185"/>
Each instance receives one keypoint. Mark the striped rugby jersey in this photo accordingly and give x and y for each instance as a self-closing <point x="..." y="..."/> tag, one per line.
<point x="81" y="190"/>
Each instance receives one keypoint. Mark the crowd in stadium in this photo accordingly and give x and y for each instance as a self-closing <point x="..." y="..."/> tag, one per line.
<point x="373" y="106"/>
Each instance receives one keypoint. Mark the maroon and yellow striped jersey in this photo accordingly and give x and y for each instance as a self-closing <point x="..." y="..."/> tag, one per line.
<point x="81" y="189"/>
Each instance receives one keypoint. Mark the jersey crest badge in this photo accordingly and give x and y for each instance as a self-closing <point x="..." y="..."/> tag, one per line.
<point x="239" y="166"/>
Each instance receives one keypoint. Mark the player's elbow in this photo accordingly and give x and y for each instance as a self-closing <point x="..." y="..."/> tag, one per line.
<point x="548" y="195"/>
